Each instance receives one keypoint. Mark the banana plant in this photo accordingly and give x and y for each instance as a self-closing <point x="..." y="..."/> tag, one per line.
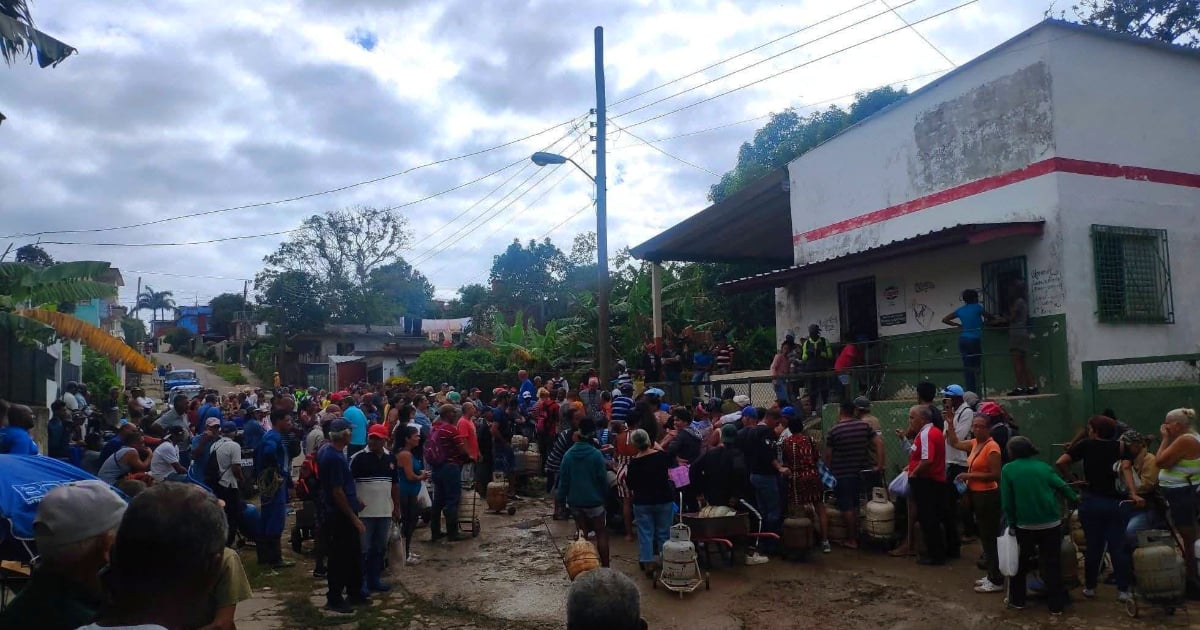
<point x="25" y="288"/>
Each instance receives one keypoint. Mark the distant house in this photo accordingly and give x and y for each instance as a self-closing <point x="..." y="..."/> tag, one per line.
<point x="345" y="353"/>
<point x="194" y="319"/>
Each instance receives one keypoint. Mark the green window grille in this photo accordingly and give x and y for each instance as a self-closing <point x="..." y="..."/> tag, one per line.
<point x="1133" y="275"/>
<point x="998" y="278"/>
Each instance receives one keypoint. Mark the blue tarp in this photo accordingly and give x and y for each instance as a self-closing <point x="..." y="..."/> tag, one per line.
<point x="24" y="480"/>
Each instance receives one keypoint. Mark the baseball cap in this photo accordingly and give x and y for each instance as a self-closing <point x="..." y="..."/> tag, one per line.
<point x="338" y="425"/>
<point x="728" y="434"/>
<point x="212" y="422"/>
<point x="741" y="400"/>
<point x="749" y="412"/>
<point x="1133" y="437"/>
<point x="654" y="391"/>
<point x="788" y="412"/>
<point x="335" y="397"/>
<point x="454" y="397"/>
<point x="77" y="511"/>
<point x="378" y="431"/>
<point x="228" y="427"/>
<point x="991" y="409"/>
<point x="862" y="402"/>
<point x="953" y="390"/>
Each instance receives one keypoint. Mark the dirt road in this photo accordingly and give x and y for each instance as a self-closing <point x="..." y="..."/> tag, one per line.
<point x="207" y="378"/>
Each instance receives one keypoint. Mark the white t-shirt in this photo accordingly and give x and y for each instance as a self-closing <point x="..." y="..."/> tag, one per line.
<point x="227" y="453"/>
<point x="160" y="463"/>
<point x="963" y="418"/>
<point x="71" y="401"/>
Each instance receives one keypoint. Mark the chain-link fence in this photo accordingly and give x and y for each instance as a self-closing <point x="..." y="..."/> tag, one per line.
<point x="1140" y="391"/>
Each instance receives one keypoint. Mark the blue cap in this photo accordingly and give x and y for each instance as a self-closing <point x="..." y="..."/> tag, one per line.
<point x="338" y="425"/>
<point x="654" y="391"/>
<point x="749" y="412"/>
<point x="788" y="412"/>
<point x="228" y="427"/>
<point x="953" y="390"/>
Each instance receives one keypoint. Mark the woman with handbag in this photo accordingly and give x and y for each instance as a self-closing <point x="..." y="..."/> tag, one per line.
<point x="412" y="483"/>
<point x="982" y="477"/>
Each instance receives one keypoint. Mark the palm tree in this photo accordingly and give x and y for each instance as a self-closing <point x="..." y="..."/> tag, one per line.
<point x="154" y="301"/>
<point x="18" y="38"/>
<point x="24" y="288"/>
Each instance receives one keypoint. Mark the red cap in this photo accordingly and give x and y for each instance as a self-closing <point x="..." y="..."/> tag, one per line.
<point x="378" y="431"/>
<point x="990" y="409"/>
<point x="335" y="397"/>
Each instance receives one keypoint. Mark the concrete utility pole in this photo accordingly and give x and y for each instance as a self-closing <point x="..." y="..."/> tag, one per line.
<point x="603" y="364"/>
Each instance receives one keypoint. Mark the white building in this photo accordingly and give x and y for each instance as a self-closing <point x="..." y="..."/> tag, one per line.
<point x="1068" y="157"/>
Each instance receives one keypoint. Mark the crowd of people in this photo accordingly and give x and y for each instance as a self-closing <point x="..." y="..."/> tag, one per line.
<point x="379" y="460"/>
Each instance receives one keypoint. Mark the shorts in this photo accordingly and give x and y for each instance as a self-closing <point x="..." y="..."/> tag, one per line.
<point x="847" y="491"/>
<point x="589" y="512"/>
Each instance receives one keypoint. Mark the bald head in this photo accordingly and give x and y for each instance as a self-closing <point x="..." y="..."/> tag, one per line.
<point x="919" y="416"/>
<point x="20" y="416"/>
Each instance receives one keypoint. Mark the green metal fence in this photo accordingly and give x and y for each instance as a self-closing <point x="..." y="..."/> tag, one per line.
<point x="1141" y="390"/>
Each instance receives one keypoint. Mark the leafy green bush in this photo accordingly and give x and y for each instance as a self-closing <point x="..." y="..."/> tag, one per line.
<point x="451" y="365"/>
<point x="262" y="360"/>
<point x="98" y="373"/>
<point x="230" y="373"/>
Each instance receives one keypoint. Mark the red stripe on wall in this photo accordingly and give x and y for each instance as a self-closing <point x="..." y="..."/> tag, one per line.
<point x="970" y="189"/>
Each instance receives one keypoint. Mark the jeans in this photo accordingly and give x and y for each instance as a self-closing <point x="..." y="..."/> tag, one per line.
<point x="1104" y="525"/>
<point x="930" y="499"/>
<point x="781" y="389"/>
<point x="699" y="377"/>
<point x="374" y="549"/>
<point x="971" y="349"/>
<point x="1040" y="548"/>
<point x="766" y="498"/>
<point x="653" y="528"/>
<point x="447" y="492"/>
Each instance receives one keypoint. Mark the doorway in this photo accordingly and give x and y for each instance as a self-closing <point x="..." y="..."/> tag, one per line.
<point x="856" y="306"/>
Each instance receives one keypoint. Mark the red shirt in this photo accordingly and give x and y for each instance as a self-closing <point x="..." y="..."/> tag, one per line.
<point x="847" y="358"/>
<point x="930" y="444"/>
<point x="466" y="428"/>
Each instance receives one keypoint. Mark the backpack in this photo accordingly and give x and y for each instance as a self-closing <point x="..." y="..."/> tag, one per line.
<point x="212" y="469"/>
<point x="434" y="454"/>
<point x="308" y="482"/>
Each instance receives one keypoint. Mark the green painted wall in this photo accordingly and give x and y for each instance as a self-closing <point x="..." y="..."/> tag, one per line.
<point x="1042" y="419"/>
<point x="934" y="356"/>
<point x="1143" y="405"/>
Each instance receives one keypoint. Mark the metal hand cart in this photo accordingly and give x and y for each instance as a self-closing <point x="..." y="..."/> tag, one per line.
<point x="469" y="522"/>
<point x="1169" y="605"/>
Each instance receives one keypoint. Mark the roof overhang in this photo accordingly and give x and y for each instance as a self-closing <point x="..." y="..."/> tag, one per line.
<point x="751" y="225"/>
<point x="962" y="234"/>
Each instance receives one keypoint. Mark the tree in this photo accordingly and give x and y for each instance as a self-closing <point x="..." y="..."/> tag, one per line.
<point x="225" y="308"/>
<point x="472" y="298"/>
<point x="449" y="365"/>
<point x="24" y="288"/>
<point x="396" y="290"/>
<point x="134" y="330"/>
<point x="525" y="276"/>
<point x="293" y="301"/>
<point x="18" y="38"/>
<point x="154" y="301"/>
<point x="1171" y="21"/>
<point x="34" y="255"/>
<point x="788" y="135"/>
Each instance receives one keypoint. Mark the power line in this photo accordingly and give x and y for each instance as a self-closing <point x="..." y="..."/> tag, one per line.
<point x="299" y="197"/>
<point x="797" y="67"/>
<point x="181" y="275"/>
<point x="742" y="54"/>
<point x="567" y="220"/>
<point x="764" y="116"/>
<point x="215" y="240"/>
<point x="918" y="33"/>
<point x="760" y="61"/>
<point x="664" y="151"/>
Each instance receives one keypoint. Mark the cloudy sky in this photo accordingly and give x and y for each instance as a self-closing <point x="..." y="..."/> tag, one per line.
<point x="172" y="108"/>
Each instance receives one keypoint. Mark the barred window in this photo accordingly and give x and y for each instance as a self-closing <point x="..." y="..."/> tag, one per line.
<point x="1133" y="275"/>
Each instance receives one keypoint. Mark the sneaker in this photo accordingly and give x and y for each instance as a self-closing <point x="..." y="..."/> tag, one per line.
<point x="989" y="587"/>
<point x="1124" y="596"/>
<point x="1031" y="391"/>
<point x="982" y="580"/>
<point x="825" y="548"/>
<point x="755" y="558"/>
<point x="284" y="564"/>
<point x="412" y="561"/>
<point x="1012" y="606"/>
<point x="414" y="555"/>
<point x="341" y="608"/>
<point x="1089" y="593"/>
<point x="1017" y="392"/>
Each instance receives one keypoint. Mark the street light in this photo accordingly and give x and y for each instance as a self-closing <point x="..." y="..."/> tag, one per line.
<point x="542" y="158"/>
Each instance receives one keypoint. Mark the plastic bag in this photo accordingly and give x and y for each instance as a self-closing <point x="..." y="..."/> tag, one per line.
<point x="679" y="476"/>
<point x="424" y="502"/>
<point x="899" y="485"/>
<point x="1008" y="552"/>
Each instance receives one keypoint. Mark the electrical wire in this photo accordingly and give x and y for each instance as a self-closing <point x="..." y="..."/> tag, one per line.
<point x="741" y="54"/>
<point x="919" y="34"/>
<point x="761" y="61"/>
<point x="665" y="152"/>
<point x="797" y="67"/>
<point x="181" y="275"/>
<point x="215" y="240"/>
<point x="299" y="197"/>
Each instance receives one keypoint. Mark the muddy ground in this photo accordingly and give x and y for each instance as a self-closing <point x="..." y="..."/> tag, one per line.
<point x="512" y="574"/>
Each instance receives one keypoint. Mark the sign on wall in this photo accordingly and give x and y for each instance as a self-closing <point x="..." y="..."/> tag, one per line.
<point x="890" y="302"/>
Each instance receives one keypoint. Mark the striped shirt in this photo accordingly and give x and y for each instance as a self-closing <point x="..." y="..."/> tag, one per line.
<point x="848" y="440"/>
<point x="374" y="475"/>
<point x="622" y="407"/>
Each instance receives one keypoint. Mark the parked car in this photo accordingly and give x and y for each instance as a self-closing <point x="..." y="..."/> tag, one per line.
<point x="179" y="378"/>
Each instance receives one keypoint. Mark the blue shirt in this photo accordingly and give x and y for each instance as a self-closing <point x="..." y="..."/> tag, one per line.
<point x="622" y="406"/>
<point x="410" y="488"/>
<point x="57" y="438"/>
<point x="272" y="452"/>
<point x="110" y="447"/>
<point x="252" y="434"/>
<point x="971" y="318"/>
<point x="422" y="420"/>
<point x="702" y="361"/>
<point x="16" y="441"/>
<point x="526" y="401"/>
<point x="333" y="469"/>
<point x="358" y="425"/>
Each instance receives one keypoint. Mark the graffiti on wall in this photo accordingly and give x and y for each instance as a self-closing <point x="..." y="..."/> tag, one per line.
<point x="923" y="286"/>
<point x="1046" y="292"/>
<point x="922" y="314"/>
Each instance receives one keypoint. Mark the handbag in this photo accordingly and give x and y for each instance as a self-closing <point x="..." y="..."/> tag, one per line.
<point x="424" y="502"/>
<point x="899" y="485"/>
<point x="679" y="476"/>
<point x="1008" y="552"/>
